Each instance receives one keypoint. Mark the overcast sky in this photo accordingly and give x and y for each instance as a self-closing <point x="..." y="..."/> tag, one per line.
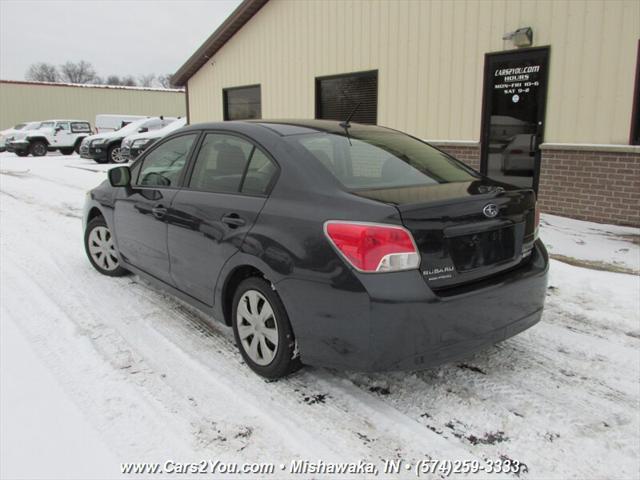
<point x="120" y="37"/>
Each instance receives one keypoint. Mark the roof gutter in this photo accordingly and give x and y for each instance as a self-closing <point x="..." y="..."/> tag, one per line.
<point x="234" y="22"/>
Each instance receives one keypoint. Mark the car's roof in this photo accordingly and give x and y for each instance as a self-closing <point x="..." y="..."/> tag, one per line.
<point x="287" y="127"/>
<point x="65" y="120"/>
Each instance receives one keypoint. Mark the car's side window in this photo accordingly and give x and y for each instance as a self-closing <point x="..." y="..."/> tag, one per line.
<point x="162" y="166"/>
<point x="259" y="174"/>
<point x="80" y="127"/>
<point x="221" y="163"/>
<point x="64" y="126"/>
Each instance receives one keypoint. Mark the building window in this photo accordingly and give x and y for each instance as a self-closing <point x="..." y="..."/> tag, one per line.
<point x="338" y="95"/>
<point x="242" y="103"/>
<point x="635" y="111"/>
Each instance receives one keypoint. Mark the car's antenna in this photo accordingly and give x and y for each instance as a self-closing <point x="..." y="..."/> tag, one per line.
<point x="346" y="125"/>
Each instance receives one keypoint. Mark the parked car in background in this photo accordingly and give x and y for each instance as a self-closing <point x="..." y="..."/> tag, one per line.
<point x="84" y="146"/>
<point x="105" y="147"/>
<point x="110" y="122"/>
<point x="518" y="156"/>
<point x="325" y="243"/>
<point x="9" y="132"/>
<point x="62" y="135"/>
<point x="135" y="144"/>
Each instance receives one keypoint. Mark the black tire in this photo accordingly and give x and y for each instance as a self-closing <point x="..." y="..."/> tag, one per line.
<point x="66" y="151"/>
<point x="38" y="148"/>
<point x="22" y="153"/>
<point x="283" y="362"/>
<point x="103" y="268"/>
<point x="113" y="154"/>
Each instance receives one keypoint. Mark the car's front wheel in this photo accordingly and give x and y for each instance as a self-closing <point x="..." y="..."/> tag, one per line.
<point x="115" y="155"/>
<point x="262" y="330"/>
<point x="101" y="249"/>
<point x="38" y="148"/>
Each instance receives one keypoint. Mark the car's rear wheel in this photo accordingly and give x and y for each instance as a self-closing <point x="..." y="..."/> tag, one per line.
<point x="66" y="151"/>
<point x="101" y="249"/>
<point x="38" y="148"/>
<point x="114" y="155"/>
<point x="262" y="330"/>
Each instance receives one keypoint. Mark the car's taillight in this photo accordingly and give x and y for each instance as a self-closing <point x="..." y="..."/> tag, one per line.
<point x="373" y="247"/>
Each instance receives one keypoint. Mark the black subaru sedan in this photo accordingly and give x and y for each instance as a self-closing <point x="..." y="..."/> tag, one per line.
<point x="325" y="243"/>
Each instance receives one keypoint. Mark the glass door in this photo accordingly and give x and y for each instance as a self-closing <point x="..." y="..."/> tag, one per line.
<point x="515" y="91"/>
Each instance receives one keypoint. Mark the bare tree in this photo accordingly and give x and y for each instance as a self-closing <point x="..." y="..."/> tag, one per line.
<point x="113" y="80"/>
<point x="42" y="72"/>
<point x="83" y="72"/>
<point x="165" y="80"/>
<point x="80" y="72"/>
<point x="146" y="80"/>
<point x="129" y="81"/>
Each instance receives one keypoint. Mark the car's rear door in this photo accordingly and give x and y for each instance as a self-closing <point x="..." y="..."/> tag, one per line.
<point x="225" y="190"/>
<point x="140" y="214"/>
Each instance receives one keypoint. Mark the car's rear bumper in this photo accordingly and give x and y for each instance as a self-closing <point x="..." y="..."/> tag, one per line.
<point x="396" y="322"/>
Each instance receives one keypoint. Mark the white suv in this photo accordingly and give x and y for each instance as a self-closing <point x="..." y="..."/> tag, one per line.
<point x="62" y="135"/>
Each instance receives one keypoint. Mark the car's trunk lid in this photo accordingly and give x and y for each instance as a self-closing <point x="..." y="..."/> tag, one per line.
<point x="458" y="239"/>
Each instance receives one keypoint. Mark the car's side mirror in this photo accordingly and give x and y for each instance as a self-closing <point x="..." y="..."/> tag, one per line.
<point x="143" y="130"/>
<point x="120" y="177"/>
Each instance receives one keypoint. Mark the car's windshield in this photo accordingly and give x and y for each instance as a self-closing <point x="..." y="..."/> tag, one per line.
<point x="133" y="127"/>
<point x="20" y="126"/>
<point x="45" y="125"/>
<point x="32" y="126"/>
<point x="382" y="159"/>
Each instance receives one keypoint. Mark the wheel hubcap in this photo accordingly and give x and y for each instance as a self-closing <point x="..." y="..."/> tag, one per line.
<point x="39" y="150"/>
<point x="101" y="248"/>
<point x="257" y="327"/>
<point x="116" y="157"/>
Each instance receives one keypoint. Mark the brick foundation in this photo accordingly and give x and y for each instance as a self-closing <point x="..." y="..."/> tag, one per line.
<point x="599" y="184"/>
<point x="595" y="185"/>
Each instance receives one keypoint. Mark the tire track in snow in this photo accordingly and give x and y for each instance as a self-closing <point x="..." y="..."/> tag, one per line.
<point x="333" y="424"/>
<point x="558" y="395"/>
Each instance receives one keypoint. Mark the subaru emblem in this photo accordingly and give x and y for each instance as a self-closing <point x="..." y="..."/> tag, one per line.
<point x="490" y="210"/>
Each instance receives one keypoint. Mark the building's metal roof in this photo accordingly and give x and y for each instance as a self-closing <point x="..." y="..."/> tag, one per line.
<point x="241" y="15"/>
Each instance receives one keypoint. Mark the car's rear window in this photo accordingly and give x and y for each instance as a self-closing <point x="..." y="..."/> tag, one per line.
<point x="382" y="159"/>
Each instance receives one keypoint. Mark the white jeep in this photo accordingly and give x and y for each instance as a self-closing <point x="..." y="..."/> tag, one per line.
<point x="62" y="135"/>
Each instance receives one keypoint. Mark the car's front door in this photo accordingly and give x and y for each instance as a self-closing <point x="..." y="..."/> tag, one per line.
<point x="229" y="181"/>
<point x="140" y="214"/>
<point x="62" y="136"/>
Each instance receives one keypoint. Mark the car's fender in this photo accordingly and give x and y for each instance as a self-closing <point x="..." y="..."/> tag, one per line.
<point x="33" y="138"/>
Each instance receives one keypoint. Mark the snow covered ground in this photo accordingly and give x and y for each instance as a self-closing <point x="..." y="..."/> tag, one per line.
<point x="608" y="247"/>
<point x="96" y="371"/>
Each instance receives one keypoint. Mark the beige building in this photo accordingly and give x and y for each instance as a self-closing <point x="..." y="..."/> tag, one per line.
<point x="543" y="94"/>
<point x="32" y="101"/>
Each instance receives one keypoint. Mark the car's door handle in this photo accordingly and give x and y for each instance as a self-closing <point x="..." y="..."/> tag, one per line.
<point x="233" y="220"/>
<point x="159" y="211"/>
